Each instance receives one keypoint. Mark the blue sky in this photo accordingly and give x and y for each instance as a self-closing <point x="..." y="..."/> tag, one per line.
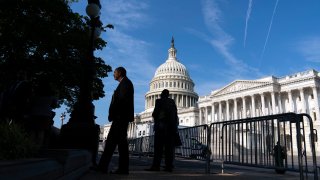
<point x="219" y="41"/>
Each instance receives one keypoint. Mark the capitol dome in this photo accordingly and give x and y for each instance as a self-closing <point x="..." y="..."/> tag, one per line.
<point x="172" y="75"/>
<point x="173" y="67"/>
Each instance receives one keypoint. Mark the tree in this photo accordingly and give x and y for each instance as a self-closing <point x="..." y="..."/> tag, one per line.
<point x="43" y="40"/>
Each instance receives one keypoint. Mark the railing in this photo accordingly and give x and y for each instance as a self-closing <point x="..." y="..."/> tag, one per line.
<point x="253" y="142"/>
<point x="248" y="142"/>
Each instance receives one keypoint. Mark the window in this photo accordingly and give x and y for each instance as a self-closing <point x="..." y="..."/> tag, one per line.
<point x="144" y="132"/>
<point x="139" y="133"/>
<point x="312" y="96"/>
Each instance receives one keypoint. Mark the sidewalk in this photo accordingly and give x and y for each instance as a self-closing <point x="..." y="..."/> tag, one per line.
<point x="188" y="169"/>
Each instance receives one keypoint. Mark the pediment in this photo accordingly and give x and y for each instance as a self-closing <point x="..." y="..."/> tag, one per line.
<point x="239" y="86"/>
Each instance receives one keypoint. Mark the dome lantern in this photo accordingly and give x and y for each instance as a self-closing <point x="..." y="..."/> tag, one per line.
<point x="172" y="51"/>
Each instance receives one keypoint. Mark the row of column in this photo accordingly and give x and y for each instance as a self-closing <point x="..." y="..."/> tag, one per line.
<point x="172" y="84"/>
<point x="241" y="113"/>
<point x="180" y="100"/>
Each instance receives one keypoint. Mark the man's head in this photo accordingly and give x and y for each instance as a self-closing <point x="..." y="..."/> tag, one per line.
<point x="165" y="93"/>
<point x="119" y="73"/>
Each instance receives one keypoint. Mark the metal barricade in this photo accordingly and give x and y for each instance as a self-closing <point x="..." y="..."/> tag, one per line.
<point x="279" y="141"/>
<point x="141" y="146"/>
<point x="194" y="142"/>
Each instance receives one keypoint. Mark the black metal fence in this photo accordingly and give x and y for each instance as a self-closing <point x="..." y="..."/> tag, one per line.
<point x="284" y="142"/>
<point x="278" y="141"/>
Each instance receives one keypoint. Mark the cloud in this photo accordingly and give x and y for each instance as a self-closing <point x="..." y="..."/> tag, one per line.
<point x="247" y="20"/>
<point x="221" y="40"/>
<point x="269" y="30"/>
<point x="310" y="48"/>
<point x="125" y="14"/>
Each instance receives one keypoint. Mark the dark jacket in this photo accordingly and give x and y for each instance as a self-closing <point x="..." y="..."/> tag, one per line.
<point x="165" y="115"/>
<point x="122" y="106"/>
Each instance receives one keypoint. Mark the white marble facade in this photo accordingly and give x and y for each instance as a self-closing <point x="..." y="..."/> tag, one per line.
<point x="240" y="99"/>
<point x="298" y="93"/>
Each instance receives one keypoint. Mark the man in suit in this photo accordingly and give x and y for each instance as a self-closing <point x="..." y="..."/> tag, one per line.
<point x="121" y="112"/>
<point x="165" y="129"/>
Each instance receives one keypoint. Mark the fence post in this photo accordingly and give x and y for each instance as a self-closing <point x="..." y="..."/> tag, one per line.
<point x="208" y="153"/>
<point x="297" y="121"/>
<point x="313" y="150"/>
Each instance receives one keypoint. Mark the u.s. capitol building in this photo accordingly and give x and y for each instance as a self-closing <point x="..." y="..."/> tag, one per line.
<point x="240" y="99"/>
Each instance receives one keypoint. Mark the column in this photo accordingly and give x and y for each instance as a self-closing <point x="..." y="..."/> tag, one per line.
<point x="244" y="108"/>
<point x="316" y="100"/>
<point x="273" y="100"/>
<point x="227" y="110"/>
<point x="235" y="109"/>
<point x="206" y="113"/>
<point x="303" y="101"/>
<point x="290" y="101"/>
<point x="220" y="111"/>
<point x="187" y="101"/>
<point x="279" y="104"/>
<point x="183" y="101"/>
<point x="212" y="112"/>
<point x="176" y="99"/>
<point x="262" y="104"/>
<point x="253" y="105"/>
<point x="191" y="101"/>
<point x="200" y="116"/>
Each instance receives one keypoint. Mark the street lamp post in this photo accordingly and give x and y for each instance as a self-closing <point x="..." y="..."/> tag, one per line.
<point x="81" y="131"/>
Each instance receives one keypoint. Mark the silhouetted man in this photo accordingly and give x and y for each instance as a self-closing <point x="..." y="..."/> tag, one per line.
<point x="121" y="112"/>
<point x="165" y="129"/>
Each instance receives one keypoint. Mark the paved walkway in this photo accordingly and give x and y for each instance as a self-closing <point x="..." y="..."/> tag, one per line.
<point x="189" y="169"/>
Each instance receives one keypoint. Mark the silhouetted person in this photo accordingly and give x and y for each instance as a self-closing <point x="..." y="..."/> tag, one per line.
<point x="165" y="129"/>
<point x="268" y="144"/>
<point x="121" y="112"/>
<point x="279" y="156"/>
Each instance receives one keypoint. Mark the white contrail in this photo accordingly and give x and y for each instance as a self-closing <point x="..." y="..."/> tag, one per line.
<point x="265" y="43"/>
<point x="247" y="19"/>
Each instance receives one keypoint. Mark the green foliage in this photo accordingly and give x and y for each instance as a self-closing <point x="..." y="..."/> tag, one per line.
<point x="43" y="40"/>
<point x="15" y="143"/>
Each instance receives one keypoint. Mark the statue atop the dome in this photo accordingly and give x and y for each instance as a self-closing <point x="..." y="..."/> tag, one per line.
<point x="172" y="42"/>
